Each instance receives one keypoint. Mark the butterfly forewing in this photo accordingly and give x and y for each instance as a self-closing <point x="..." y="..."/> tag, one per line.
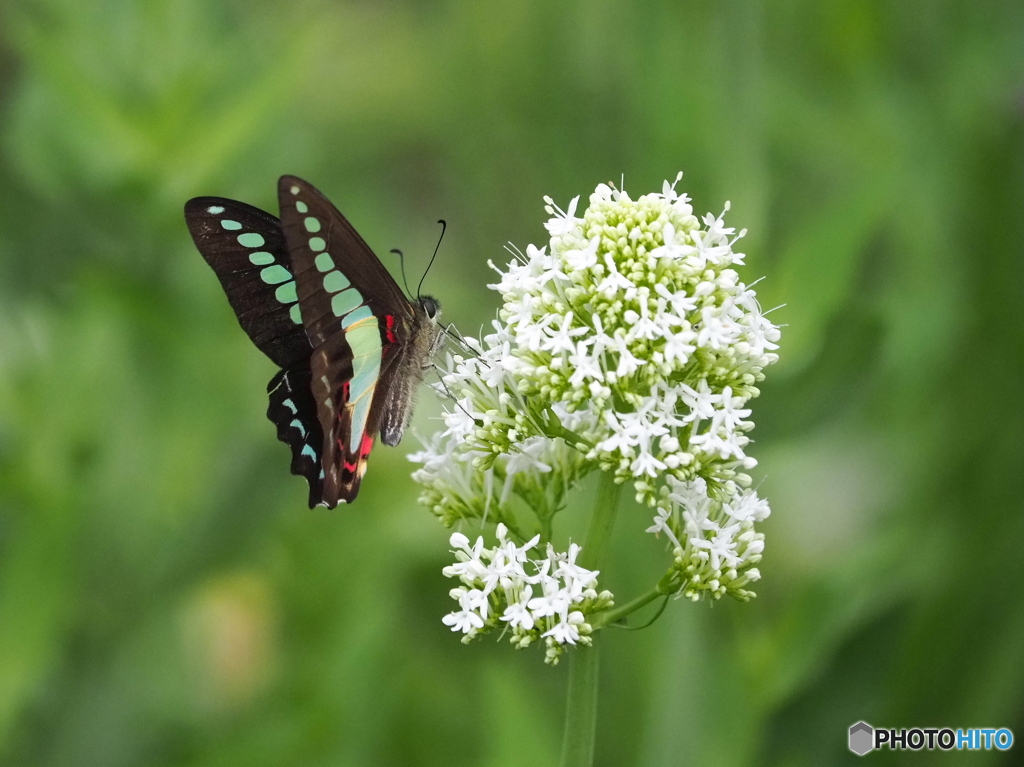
<point x="357" y="322"/>
<point x="246" y="248"/>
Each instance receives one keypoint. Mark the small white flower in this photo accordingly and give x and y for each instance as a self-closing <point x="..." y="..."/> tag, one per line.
<point x="716" y="329"/>
<point x="563" y="222"/>
<point x="668" y="191"/>
<point x="567" y="630"/>
<point x="517" y="614"/>
<point x="576" y="578"/>
<point x="562" y="339"/>
<point x="701" y="401"/>
<point x="528" y="457"/>
<point x="661" y="525"/>
<point x="615" y="282"/>
<point x="465" y="621"/>
<point x="721" y="547"/>
<point x="728" y="417"/>
<point x="627" y="361"/>
<point x="672" y="248"/>
<point x="747" y="508"/>
<point x="553" y="601"/>
<point x="583" y="258"/>
<point x="585" y="366"/>
<point x="682" y="303"/>
<point x="642" y="325"/>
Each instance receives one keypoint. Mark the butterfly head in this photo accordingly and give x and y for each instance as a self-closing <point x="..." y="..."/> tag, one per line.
<point x="429" y="335"/>
<point x="431" y="307"/>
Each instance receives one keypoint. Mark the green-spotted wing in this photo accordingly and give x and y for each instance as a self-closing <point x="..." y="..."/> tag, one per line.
<point x="314" y="298"/>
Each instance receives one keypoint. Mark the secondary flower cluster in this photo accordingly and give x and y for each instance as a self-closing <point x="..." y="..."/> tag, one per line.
<point x="627" y="344"/>
<point x="548" y="598"/>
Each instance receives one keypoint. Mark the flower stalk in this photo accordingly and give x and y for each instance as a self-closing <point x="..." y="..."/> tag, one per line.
<point x="579" y="737"/>
<point x="616" y="614"/>
<point x="599" y="534"/>
<point x="580" y="731"/>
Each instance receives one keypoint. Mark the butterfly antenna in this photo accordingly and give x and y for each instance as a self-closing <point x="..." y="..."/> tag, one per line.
<point x="401" y="259"/>
<point x="444" y="227"/>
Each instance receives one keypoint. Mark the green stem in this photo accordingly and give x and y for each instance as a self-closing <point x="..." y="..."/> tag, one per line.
<point x="545" y="528"/>
<point x="595" y="546"/>
<point x="581" y="710"/>
<point x="581" y="705"/>
<point x="618" y="613"/>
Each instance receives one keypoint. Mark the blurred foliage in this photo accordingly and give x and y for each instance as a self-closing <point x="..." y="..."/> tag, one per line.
<point x="165" y="597"/>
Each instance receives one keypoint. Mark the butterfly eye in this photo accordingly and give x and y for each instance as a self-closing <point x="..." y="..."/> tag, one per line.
<point x="431" y="306"/>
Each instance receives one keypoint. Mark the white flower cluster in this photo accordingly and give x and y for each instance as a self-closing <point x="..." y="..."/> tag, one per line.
<point x="715" y="546"/>
<point x="548" y="598"/>
<point x="627" y="344"/>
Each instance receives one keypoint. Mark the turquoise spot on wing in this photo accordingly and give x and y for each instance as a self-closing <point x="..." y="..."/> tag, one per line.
<point x="345" y="301"/>
<point x="307" y="450"/>
<point x="360" y="414"/>
<point x="362" y="313"/>
<point x="286" y="293"/>
<point x="324" y="262"/>
<point x="364" y="377"/>
<point x="317" y="243"/>
<point x="301" y="207"/>
<point x="296" y="314"/>
<point x="231" y="226"/>
<point x="261" y="258"/>
<point x="251" y="240"/>
<point x="364" y="340"/>
<point x="290" y="405"/>
<point x="275" y="274"/>
<point x="215" y="209"/>
<point x="335" y="281"/>
<point x="312" y="224"/>
<point x="297" y="424"/>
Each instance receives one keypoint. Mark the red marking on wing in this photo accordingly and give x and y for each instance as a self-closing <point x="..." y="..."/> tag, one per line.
<point x="344" y="393"/>
<point x="366" y="446"/>
<point x="364" y="452"/>
<point x="389" y="321"/>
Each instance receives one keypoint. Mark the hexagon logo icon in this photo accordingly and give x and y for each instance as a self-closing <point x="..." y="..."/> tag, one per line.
<point x="862" y="738"/>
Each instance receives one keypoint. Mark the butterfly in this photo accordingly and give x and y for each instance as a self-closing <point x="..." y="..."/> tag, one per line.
<point x="315" y="299"/>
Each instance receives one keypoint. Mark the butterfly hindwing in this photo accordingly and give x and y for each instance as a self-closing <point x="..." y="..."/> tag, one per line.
<point x="246" y="248"/>
<point x="357" y="322"/>
<point x="293" y="410"/>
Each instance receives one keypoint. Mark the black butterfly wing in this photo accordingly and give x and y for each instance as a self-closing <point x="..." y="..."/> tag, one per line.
<point x="246" y="249"/>
<point x="357" y="322"/>
<point x="293" y="411"/>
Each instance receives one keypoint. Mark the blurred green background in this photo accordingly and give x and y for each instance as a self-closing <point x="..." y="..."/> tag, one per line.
<point x="165" y="596"/>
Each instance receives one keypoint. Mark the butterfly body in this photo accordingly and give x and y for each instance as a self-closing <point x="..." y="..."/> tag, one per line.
<point x="315" y="299"/>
